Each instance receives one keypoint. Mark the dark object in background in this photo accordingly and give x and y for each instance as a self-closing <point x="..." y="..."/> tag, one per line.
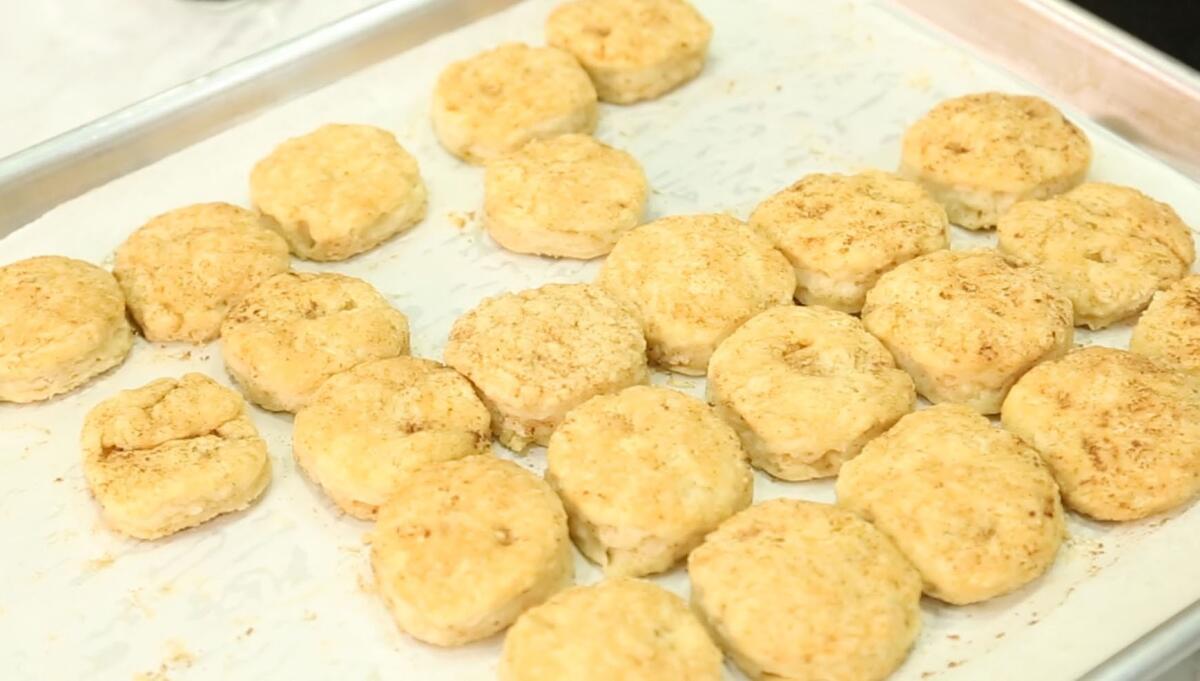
<point x="1172" y="26"/>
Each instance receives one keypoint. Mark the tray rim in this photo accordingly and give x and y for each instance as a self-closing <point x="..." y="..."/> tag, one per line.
<point x="113" y="145"/>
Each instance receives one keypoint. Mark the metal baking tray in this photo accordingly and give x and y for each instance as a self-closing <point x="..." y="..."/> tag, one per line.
<point x="1085" y="65"/>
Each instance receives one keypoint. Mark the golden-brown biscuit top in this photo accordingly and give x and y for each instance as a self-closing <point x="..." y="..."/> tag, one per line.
<point x="627" y="33"/>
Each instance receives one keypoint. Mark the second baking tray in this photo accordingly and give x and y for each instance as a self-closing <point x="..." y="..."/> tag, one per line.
<point x="284" y="588"/>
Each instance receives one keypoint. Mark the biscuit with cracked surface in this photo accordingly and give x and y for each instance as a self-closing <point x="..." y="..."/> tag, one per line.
<point x="966" y="324"/>
<point x="536" y="354"/>
<point x="1168" y="332"/>
<point x="62" y="323"/>
<point x="633" y="50"/>
<point x="979" y="154"/>
<point x="841" y="232"/>
<point x="692" y="280"/>
<point x="464" y="547"/>
<point x="974" y="508"/>
<point x="1109" y="248"/>
<point x="171" y="455"/>
<point x="797" y="590"/>
<point x="618" y="630"/>
<point x="805" y="388"/>
<point x="184" y="269"/>
<point x="339" y="190"/>
<point x="644" y="474"/>
<point x="567" y="196"/>
<point x="1120" y="433"/>
<point x="296" y="329"/>
<point x="496" y="101"/>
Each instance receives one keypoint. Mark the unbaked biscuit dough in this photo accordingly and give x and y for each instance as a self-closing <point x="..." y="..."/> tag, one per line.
<point x="805" y="388"/>
<point x="1168" y="332"/>
<point x="973" y="507"/>
<point x="536" y="354"/>
<point x="979" y="154"/>
<point x="1120" y="433"/>
<point x="841" y="232"/>
<point x="369" y="427"/>
<point x="339" y="190"/>
<point x="171" y="455"/>
<point x="499" y="99"/>
<point x="618" y="630"/>
<point x="797" y="590"/>
<point x="296" y="329"/>
<point x="966" y="324"/>
<point x="62" y="322"/>
<point x="692" y="280"/>
<point x="1109" y="248"/>
<point x="644" y="474"/>
<point x="184" y="269"/>
<point x="567" y="196"/>
<point x="464" y="547"/>
<point x="633" y="49"/>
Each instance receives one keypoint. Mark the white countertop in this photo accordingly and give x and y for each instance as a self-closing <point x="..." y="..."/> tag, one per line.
<point x="67" y="62"/>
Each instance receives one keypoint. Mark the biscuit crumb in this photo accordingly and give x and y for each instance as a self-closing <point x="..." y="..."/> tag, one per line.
<point x="99" y="563"/>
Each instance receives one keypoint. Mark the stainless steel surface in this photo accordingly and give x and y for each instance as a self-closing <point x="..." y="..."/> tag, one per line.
<point x="41" y="177"/>
<point x="1134" y="90"/>
<point x="1131" y="88"/>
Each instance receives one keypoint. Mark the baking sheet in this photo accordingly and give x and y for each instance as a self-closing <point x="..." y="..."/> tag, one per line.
<point x="284" y="589"/>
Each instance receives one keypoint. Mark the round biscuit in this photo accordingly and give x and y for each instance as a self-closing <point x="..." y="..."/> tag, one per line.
<point x="498" y="100"/>
<point x="1120" y="433"/>
<point x="339" y="190"/>
<point x="296" y="329"/>
<point x="841" y="232"/>
<point x="1168" y="332"/>
<point x="464" y="547"/>
<point x="62" y="322"/>
<point x="536" y="354"/>
<point x="633" y="50"/>
<point x="184" y="269"/>
<point x="692" y="280"/>
<point x="1109" y="248"/>
<point x="797" y="590"/>
<point x="979" y="154"/>
<point x="966" y="324"/>
<point x="367" y="428"/>
<point x="644" y="474"/>
<point x="805" y="388"/>
<point x="171" y="455"/>
<point x="567" y="196"/>
<point x="618" y="630"/>
<point x="974" y="508"/>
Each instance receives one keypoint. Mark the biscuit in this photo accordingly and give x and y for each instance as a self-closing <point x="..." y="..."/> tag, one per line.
<point x="171" y="455"/>
<point x="1169" y="330"/>
<point x="464" y="547"/>
<point x="1120" y="433"/>
<point x="297" y="329"/>
<point x="536" y="354"/>
<point x="1109" y="248"/>
<point x="966" y="324"/>
<point x="618" y="630"/>
<point x="692" y="280"/>
<point x="183" y="270"/>
<point x="567" y="196"/>
<point x="797" y="590"/>
<point x="498" y="100"/>
<point x="841" y="232"/>
<point x="979" y="154"/>
<point x="339" y="190"/>
<point x="633" y="49"/>
<point x="972" y="507"/>
<point x="805" y="388"/>
<point x="644" y="474"/>
<point x="367" y="428"/>
<point x="62" y="322"/>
